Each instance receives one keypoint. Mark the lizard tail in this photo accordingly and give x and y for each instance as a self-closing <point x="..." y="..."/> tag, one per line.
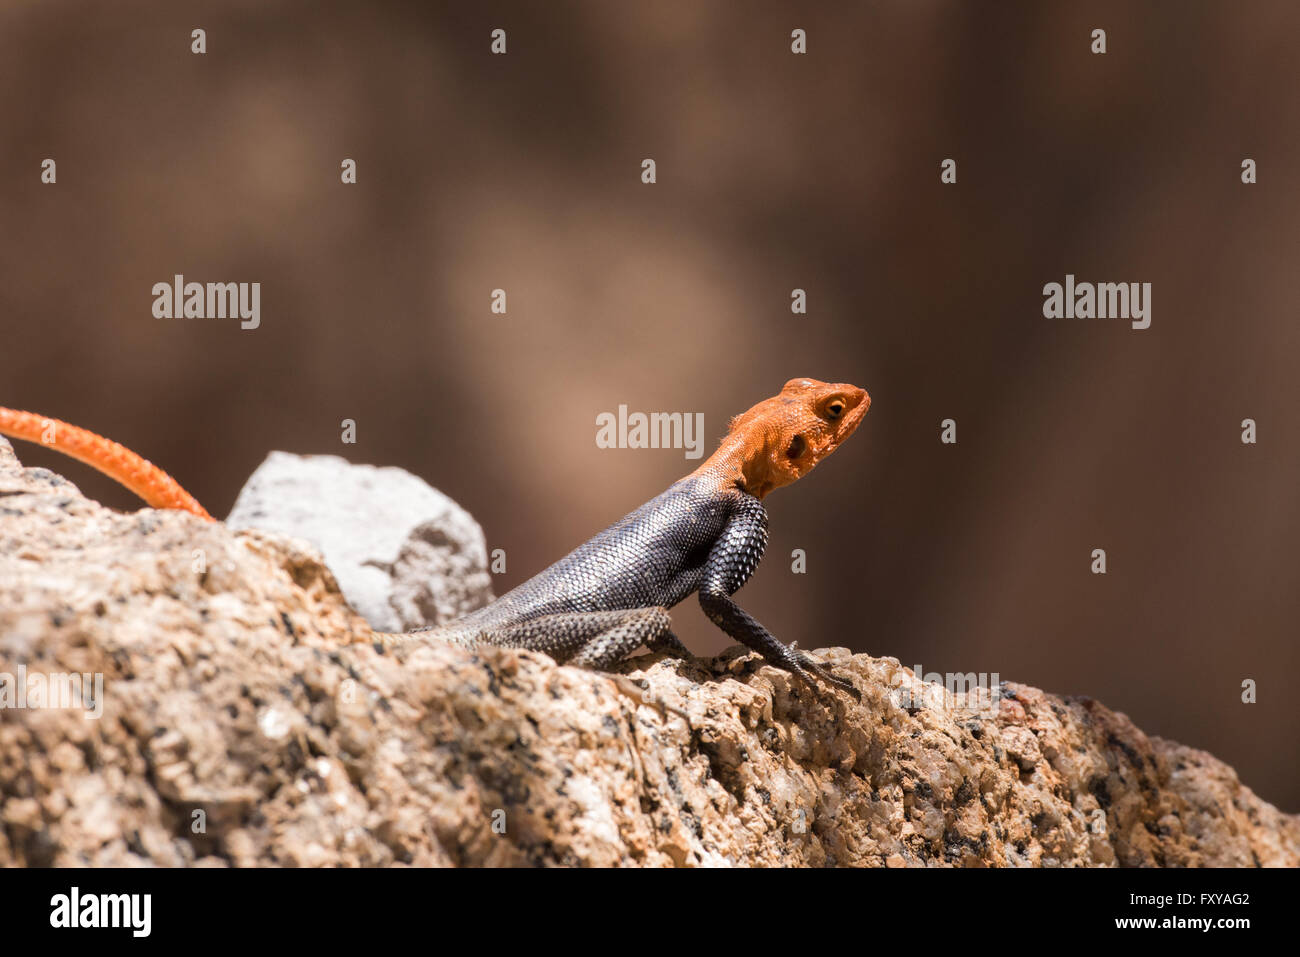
<point x="432" y="633"/>
<point x="118" y="462"/>
<point x="389" y="639"/>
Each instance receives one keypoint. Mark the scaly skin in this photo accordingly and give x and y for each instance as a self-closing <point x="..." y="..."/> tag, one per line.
<point x="705" y="534"/>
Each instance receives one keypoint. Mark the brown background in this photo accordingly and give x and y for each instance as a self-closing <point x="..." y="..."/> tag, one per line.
<point x="775" y="171"/>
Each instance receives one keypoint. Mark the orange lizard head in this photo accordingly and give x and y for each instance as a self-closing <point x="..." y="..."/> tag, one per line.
<point x="779" y="440"/>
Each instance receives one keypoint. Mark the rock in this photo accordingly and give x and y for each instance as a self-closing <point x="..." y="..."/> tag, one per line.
<point x="405" y="555"/>
<point x="247" y="720"/>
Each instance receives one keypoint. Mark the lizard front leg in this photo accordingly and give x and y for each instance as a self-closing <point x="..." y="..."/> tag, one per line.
<point x="731" y="561"/>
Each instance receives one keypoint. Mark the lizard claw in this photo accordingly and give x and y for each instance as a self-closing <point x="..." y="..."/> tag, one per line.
<point x="808" y="665"/>
<point x="639" y="695"/>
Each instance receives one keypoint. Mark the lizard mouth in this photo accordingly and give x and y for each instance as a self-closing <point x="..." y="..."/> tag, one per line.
<point x="856" y="413"/>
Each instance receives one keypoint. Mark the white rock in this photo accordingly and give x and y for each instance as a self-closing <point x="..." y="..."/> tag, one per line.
<point x="404" y="554"/>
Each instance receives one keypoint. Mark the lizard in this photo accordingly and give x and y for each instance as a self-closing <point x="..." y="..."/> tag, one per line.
<point x="703" y="535"/>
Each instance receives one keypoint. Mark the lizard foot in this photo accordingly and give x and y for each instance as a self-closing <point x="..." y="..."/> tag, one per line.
<point x="807" y="666"/>
<point x="639" y="695"/>
<point x="670" y="645"/>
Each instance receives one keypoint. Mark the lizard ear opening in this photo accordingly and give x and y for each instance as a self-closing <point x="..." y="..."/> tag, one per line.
<point x="797" y="447"/>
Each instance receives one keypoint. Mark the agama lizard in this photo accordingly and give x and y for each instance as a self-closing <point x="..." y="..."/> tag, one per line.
<point x="705" y="534"/>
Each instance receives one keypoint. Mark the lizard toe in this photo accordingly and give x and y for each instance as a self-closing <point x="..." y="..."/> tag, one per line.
<point x="810" y="665"/>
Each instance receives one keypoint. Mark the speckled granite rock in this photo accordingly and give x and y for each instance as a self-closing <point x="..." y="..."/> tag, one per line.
<point x="246" y="720"/>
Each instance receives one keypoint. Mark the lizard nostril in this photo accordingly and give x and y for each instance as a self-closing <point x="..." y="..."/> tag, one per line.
<point x="797" y="446"/>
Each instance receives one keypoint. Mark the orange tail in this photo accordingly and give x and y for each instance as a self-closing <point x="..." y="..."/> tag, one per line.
<point x="118" y="462"/>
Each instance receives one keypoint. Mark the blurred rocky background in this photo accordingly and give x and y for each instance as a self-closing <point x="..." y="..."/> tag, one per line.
<point x="775" y="171"/>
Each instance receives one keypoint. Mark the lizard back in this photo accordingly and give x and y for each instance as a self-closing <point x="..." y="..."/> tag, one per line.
<point x="652" y="556"/>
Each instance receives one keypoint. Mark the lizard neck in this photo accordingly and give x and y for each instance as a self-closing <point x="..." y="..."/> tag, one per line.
<point x="741" y="461"/>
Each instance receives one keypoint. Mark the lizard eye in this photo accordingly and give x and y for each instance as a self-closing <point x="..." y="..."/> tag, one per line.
<point x="835" y="409"/>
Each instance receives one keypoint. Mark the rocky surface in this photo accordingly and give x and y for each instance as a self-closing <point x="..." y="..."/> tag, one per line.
<point x="246" y="720"/>
<point x="404" y="554"/>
